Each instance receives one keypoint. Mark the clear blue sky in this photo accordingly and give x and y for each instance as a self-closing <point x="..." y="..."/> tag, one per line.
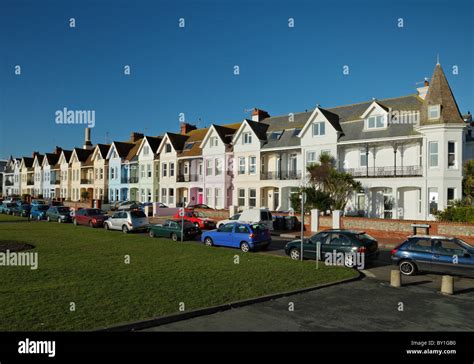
<point x="190" y="70"/>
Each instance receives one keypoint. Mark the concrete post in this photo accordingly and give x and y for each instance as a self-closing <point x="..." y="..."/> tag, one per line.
<point x="315" y="220"/>
<point x="336" y="219"/>
<point x="447" y="285"/>
<point x="232" y="210"/>
<point x="395" y="278"/>
<point x="155" y="208"/>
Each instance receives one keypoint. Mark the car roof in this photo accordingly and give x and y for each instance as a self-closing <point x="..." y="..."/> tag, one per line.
<point x="342" y="231"/>
<point x="424" y="236"/>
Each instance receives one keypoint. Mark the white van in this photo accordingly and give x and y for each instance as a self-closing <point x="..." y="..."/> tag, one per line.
<point x="262" y="216"/>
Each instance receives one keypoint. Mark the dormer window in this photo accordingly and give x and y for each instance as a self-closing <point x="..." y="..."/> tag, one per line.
<point x="434" y="112"/>
<point x="375" y="122"/>
<point x="168" y="148"/>
<point x="319" y="129"/>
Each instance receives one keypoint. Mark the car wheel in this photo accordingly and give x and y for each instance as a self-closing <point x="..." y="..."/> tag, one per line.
<point x="125" y="229"/>
<point x="48" y="219"/>
<point x="106" y="226"/>
<point x="91" y="224"/>
<point x="59" y="220"/>
<point x="174" y="236"/>
<point x="245" y="247"/>
<point x="196" y="224"/>
<point x="407" y="268"/>
<point x="295" y="254"/>
<point x="208" y="242"/>
<point x="74" y="222"/>
<point x="151" y="234"/>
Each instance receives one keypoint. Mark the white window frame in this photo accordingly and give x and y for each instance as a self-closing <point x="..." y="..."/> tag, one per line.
<point x="436" y="109"/>
<point x="241" y="197"/>
<point x="252" y="165"/>
<point x="218" y="166"/>
<point x="252" y="198"/>
<point x="432" y="154"/>
<point x="242" y="165"/>
<point x="455" y="164"/>
<point x="363" y="154"/>
<point x="376" y="120"/>
<point x="319" y="128"/>
<point x="247" y="138"/>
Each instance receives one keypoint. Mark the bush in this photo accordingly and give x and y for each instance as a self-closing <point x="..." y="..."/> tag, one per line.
<point x="315" y="199"/>
<point x="457" y="214"/>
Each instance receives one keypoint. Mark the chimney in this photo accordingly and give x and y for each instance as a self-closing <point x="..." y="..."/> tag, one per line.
<point x="259" y="115"/>
<point x="34" y="154"/>
<point x="58" y="150"/>
<point x="87" y="139"/>
<point x="134" y="136"/>
<point x="186" y="128"/>
<point x="422" y="91"/>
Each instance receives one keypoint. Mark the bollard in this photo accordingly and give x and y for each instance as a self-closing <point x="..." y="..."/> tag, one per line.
<point x="447" y="285"/>
<point x="395" y="278"/>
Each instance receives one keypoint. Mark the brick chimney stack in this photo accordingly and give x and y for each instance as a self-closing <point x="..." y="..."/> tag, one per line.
<point x="58" y="150"/>
<point x="34" y="154"/>
<point x="259" y="115"/>
<point x="87" y="139"/>
<point x="134" y="136"/>
<point x="186" y="128"/>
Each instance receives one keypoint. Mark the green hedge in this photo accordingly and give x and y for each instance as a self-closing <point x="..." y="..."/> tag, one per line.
<point x="457" y="214"/>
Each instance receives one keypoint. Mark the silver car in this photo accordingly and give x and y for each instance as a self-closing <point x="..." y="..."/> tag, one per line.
<point x="127" y="221"/>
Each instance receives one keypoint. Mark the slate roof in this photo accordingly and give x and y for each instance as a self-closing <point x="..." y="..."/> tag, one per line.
<point x="195" y="137"/>
<point x="52" y="159"/>
<point x="84" y="155"/>
<point x="132" y="153"/>
<point x="103" y="149"/>
<point x="154" y="142"/>
<point x="439" y="93"/>
<point x="28" y="161"/>
<point x="226" y="132"/>
<point x="67" y="154"/>
<point x="123" y="148"/>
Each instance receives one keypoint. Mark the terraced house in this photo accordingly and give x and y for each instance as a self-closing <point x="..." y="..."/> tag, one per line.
<point x="11" y="177"/>
<point x="406" y="151"/>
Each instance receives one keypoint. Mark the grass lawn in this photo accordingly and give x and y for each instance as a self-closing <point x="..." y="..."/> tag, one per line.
<point x="87" y="266"/>
<point x="10" y="218"/>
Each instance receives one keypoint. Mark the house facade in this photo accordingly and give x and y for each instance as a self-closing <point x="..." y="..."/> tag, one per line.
<point x="51" y="174"/>
<point x="101" y="172"/>
<point x="12" y="177"/>
<point x="148" y="166"/>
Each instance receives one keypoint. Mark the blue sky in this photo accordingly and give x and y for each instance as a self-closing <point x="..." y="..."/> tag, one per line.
<point x="190" y="70"/>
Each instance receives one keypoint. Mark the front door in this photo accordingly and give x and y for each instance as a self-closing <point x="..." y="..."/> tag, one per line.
<point x="200" y="196"/>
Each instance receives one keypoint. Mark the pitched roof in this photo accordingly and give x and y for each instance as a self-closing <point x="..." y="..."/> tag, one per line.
<point x="226" y="132"/>
<point x="67" y="155"/>
<point x="52" y="158"/>
<point x="439" y="93"/>
<point x="123" y="148"/>
<point x="177" y="140"/>
<point x="259" y="128"/>
<point x="103" y="149"/>
<point x="154" y="142"/>
<point x="191" y="147"/>
<point x="40" y="158"/>
<point x="83" y="154"/>
<point x="28" y="161"/>
<point x="332" y="118"/>
<point x="132" y="153"/>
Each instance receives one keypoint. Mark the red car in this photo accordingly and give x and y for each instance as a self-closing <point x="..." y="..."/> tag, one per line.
<point x="90" y="217"/>
<point x="198" y="219"/>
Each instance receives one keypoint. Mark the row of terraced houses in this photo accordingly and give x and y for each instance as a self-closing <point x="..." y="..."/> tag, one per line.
<point x="408" y="153"/>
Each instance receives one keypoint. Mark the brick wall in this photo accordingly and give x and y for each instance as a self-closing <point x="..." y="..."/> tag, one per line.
<point x="399" y="226"/>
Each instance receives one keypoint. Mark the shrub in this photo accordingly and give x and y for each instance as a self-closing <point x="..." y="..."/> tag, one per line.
<point x="457" y="214"/>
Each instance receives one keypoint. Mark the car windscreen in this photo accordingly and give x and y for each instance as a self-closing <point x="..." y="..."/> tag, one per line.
<point x="43" y="207"/>
<point x="137" y="214"/>
<point x="63" y="210"/>
<point x="363" y="236"/>
<point x="94" y="212"/>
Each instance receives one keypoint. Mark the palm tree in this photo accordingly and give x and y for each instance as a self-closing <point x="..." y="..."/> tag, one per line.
<point x="320" y="172"/>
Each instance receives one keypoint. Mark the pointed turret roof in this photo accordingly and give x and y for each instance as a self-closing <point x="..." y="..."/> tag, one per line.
<point x="439" y="93"/>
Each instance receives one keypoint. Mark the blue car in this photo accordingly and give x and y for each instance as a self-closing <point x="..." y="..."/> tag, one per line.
<point x="5" y="207"/>
<point x="434" y="254"/>
<point x="38" y="212"/>
<point x="245" y="236"/>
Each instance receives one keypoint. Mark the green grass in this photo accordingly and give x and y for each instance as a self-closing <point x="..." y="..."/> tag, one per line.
<point x="10" y="218"/>
<point x="86" y="266"/>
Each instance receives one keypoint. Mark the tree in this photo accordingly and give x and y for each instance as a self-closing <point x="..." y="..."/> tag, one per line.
<point x="468" y="181"/>
<point x="338" y="185"/>
<point x="315" y="199"/>
<point x="85" y="195"/>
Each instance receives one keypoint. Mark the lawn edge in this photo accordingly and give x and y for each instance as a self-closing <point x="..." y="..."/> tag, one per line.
<point x="163" y="320"/>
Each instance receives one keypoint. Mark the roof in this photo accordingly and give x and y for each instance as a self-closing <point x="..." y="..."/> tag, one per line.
<point x="123" y="148"/>
<point x="154" y="142"/>
<point x="439" y="93"/>
<point x="83" y="154"/>
<point x="259" y="128"/>
<point x="226" y="132"/>
<point x="28" y="161"/>
<point x="132" y="153"/>
<point x="40" y="158"/>
<point x="193" y="140"/>
<point x="177" y="140"/>
<point x="67" y="154"/>
<point x="52" y="158"/>
<point x="103" y="149"/>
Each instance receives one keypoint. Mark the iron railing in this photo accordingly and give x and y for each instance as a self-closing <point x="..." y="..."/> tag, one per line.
<point x="280" y="175"/>
<point x="399" y="171"/>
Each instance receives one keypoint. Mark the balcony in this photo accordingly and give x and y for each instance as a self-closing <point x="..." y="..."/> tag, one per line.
<point x="30" y="182"/>
<point x="86" y="181"/>
<point x="371" y="172"/>
<point x="189" y="178"/>
<point x="54" y="181"/>
<point x="8" y="183"/>
<point x="129" y="179"/>
<point x="281" y="175"/>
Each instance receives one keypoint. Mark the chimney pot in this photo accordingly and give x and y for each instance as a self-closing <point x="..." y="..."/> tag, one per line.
<point x="259" y="115"/>
<point x="134" y="136"/>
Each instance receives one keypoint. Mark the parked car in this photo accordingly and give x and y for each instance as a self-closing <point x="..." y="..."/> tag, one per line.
<point x="199" y="206"/>
<point x="6" y="206"/>
<point x="197" y="218"/>
<point x="38" y="202"/>
<point x="38" y="212"/>
<point x="127" y="221"/>
<point x="21" y="209"/>
<point x="261" y="216"/>
<point x="128" y="205"/>
<point x="59" y="213"/>
<point x="91" y="217"/>
<point x="172" y="229"/>
<point x="246" y="236"/>
<point x="10" y="208"/>
<point x="438" y="254"/>
<point x="230" y="219"/>
<point x="335" y="241"/>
